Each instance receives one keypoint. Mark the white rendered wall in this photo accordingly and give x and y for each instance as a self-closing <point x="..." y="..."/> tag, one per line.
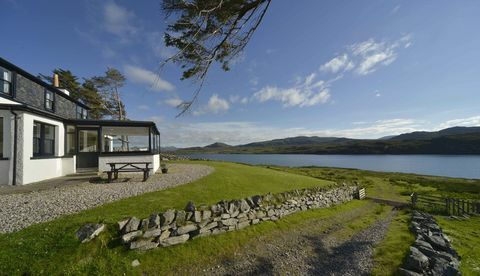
<point x="32" y="170"/>
<point x="6" y="166"/>
<point x="103" y="160"/>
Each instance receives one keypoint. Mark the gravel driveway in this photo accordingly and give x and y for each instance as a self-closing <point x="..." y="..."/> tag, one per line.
<point x="308" y="251"/>
<point x="18" y="211"/>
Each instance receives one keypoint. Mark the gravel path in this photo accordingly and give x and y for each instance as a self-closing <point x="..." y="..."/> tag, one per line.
<point x="18" y="211"/>
<point x="306" y="252"/>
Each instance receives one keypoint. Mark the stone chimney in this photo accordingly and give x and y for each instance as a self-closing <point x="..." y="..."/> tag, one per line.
<point x="56" y="82"/>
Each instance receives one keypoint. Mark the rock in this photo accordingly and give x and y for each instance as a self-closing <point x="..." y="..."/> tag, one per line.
<point x="225" y="216"/>
<point x="89" y="231"/>
<point x="186" y="229"/>
<point x="229" y="222"/>
<point x="152" y="233"/>
<point x="190" y="207"/>
<point x="180" y="218"/>
<point x="132" y="225"/>
<point x="165" y="234"/>
<point x="405" y="272"/>
<point x="255" y="221"/>
<point x="122" y="224"/>
<point x="242" y="225"/>
<point x="143" y="244"/>
<point x="235" y="214"/>
<point x="257" y="200"/>
<point x="197" y="216"/>
<point x="416" y="260"/>
<point x="210" y="226"/>
<point x="188" y="216"/>
<point x="174" y="240"/>
<point x="261" y="214"/>
<point x="144" y="224"/>
<point x="270" y="213"/>
<point x="168" y="217"/>
<point x="206" y="215"/>
<point x="135" y="263"/>
<point x="244" y="207"/>
<point x="437" y="242"/>
<point x="130" y="236"/>
<point x="154" y="221"/>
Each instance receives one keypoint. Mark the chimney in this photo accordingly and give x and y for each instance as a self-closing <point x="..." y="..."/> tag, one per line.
<point x="56" y="82"/>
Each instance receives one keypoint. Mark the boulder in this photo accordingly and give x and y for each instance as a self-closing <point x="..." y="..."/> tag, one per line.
<point x="244" y="207"/>
<point x="144" y="224"/>
<point x="416" y="260"/>
<point x="438" y="242"/>
<point x="180" y="218"/>
<point x="242" y="225"/>
<point x="174" y="240"/>
<point x="143" y="245"/>
<point x="210" y="226"/>
<point x="168" y="217"/>
<point x="165" y="234"/>
<point x="131" y="236"/>
<point x="89" y="231"/>
<point x="152" y="233"/>
<point x="186" y="229"/>
<point x="229" y="222"/>
<point x="132" y="225"/>
<point x="257" y="200"/>
<point x="206" y="215"/>
<point x="190" y="207"/>
<point x="122" y="224"/>
<point x="135" y="263"/>
<point x="197" y="216"/>
<point x="154" y="221"/>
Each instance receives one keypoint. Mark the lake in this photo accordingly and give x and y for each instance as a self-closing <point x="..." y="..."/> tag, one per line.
<point x="465" y="166"/>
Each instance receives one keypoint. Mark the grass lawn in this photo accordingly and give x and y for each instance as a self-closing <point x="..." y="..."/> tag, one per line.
<point x="51" y="248"/>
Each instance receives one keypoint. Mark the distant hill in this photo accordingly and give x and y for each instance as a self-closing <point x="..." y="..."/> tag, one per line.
<point x="455" y="140"/>
<point x="422" y="135"/>
<point x="217" y="145"/>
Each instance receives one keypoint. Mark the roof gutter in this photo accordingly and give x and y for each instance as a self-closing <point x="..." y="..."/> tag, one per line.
<point x="15" y="134"/>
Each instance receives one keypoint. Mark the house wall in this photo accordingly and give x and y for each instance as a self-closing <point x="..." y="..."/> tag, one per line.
<point x="6" y="164"/>
<point x="32" y="170"/>
<point x="103" y="160"/>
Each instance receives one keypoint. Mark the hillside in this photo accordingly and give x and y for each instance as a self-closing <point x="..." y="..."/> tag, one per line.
<point x="456" y="140"/>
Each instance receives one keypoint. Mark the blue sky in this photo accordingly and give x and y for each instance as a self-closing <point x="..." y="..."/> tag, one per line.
<point x="361" y="69"/>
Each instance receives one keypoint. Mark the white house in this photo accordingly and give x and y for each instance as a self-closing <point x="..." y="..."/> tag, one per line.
<point x="45" y="133"/>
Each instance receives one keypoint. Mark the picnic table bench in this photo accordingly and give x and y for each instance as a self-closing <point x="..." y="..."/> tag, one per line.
<point x="116" y="167"/>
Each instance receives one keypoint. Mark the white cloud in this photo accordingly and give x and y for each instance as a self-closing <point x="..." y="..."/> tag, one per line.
<point x="337" y="64"/>
<point x="306" y="92"/>
<point x="244" y="100"/>
<point x="234" y="98"/>
<point x="470" y="121"/>
<point x="147" y="77"/>
<point x="373" y="54"/>
<point x="215" y="105"/>
<point x="173" y="102"/>
<point x="118" y="20"/>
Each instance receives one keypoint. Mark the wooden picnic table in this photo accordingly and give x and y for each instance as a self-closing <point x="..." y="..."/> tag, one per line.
<point x="116" y="167"/>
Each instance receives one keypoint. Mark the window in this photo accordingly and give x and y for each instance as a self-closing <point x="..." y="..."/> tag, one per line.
<point x="125" y="139"/>
<point x="43" y="139"/>
<point x="1" y="137"/>
<point x="5" y="81"/>
<point x="49" y="100"/>
<point x="70" y="141"/>
<point x="81" y="113"/>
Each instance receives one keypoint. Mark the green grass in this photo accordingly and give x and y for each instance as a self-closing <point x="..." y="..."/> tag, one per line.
<point x="465" y="236"/>
<point x="50" y="248"/>
<point x="390" y="253"/>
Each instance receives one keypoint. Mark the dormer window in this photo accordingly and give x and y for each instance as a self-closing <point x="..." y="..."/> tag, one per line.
<point x="81" y="113"/>
<point x="49" y="100"/>
<point x="5" y="81"/>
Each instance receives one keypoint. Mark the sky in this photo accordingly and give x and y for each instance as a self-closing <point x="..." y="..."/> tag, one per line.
<point x="358" y="69"/>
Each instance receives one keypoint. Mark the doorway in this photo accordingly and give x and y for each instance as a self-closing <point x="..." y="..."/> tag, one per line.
<point x="88" y="146"/>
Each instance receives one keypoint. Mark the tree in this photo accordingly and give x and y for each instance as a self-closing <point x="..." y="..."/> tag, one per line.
<point x="91" y="97"/>
<point x="109" y="87"/>
<point x="204" y="31"/>
<point x="67" y="80"/>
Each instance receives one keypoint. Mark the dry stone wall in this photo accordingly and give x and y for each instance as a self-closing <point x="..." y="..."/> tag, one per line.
<point x="178" y="226"/>
<point x="432" y="253"/>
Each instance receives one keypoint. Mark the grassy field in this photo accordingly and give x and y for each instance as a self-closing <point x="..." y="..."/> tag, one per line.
<point x="51" y="248"/>
<point x="398" y="186"/>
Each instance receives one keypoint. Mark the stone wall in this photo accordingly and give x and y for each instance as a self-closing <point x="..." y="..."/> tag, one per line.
<point x="432" y="253"/>
<point x="177" y="226"/>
